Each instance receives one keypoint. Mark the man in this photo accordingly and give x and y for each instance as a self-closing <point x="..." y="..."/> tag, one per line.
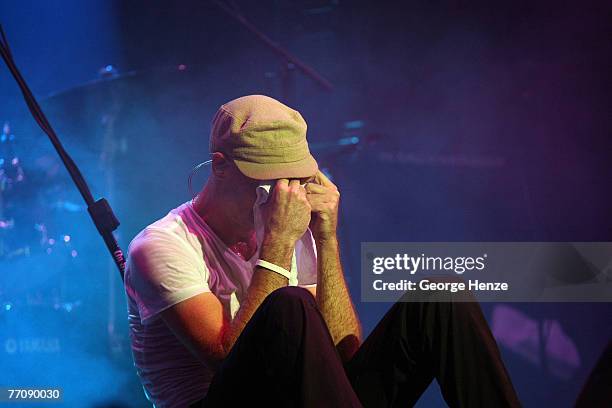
<point x="218" y="317"/>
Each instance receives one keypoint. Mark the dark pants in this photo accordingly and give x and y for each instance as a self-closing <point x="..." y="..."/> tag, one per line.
<point x="285" y="357"/>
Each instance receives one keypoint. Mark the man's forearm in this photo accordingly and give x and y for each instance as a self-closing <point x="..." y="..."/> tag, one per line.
<point x="262" y="284"/>
<point x="334" y="300"/>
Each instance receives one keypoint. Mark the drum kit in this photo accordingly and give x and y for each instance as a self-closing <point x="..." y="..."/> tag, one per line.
<point x="44" y="227"/>
<point x="37" y="245"/>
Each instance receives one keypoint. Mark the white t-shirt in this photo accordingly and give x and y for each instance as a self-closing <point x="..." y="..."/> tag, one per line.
<point x="174" y="259"/>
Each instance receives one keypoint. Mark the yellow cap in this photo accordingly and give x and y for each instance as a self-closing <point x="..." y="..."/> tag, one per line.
<point x="265" y="138"/>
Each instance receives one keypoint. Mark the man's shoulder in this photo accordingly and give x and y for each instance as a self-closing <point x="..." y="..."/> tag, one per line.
<point x="170" y="227"/>
<point x="164" y="249"/>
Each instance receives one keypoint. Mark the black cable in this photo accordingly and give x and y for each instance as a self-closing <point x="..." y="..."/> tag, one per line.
<point x="100" y="211"/>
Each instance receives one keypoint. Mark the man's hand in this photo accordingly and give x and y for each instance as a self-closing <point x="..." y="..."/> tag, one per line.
<point x="333" y="297"/>
<point x="324" y="198"/>
<point x="287" y="212"/>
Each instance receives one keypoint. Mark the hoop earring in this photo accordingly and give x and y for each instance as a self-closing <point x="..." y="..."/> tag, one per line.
<point x="191" y="174"/>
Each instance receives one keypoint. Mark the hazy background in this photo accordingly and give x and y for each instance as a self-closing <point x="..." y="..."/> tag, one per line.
<point x="475" y="122"/>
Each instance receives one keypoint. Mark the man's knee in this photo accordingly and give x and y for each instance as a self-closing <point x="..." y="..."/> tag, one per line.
<point x="288" y="295"/>
<point x="439" y="290"/>
<point x="444" y="295"/>
<point x="290" y="307"/>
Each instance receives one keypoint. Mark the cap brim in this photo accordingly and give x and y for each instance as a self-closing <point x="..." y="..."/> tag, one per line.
<point x="306" y="167"/>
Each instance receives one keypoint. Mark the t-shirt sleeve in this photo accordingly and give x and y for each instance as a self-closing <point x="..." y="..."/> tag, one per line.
<point x="163" y="270"/>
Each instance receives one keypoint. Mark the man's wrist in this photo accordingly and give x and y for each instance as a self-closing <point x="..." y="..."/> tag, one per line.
<point x="326" y="238"/>
<point x="277" y="250"/>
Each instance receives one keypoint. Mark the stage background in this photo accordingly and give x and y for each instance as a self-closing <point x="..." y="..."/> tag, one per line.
<point x="486" y="122"/>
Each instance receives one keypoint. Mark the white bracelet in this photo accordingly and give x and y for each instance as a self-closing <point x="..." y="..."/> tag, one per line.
<point x="273" y="268"/>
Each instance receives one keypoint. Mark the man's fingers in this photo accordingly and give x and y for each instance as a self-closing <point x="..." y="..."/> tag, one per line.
<point x="316" y="188"/>
<point x="316" y="201"/>
<point x="324" y="181"/>
<point x="282" y="182"/>
<point x="294" y="185"/>
<point x="321" y="202"/>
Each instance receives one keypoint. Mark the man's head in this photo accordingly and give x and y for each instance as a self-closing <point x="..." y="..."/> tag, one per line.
<point x="265" y="139"/>
<point x="255" y="138"/>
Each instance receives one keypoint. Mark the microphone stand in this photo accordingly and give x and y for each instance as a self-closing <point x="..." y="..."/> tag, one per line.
<point x="100" y="211"/>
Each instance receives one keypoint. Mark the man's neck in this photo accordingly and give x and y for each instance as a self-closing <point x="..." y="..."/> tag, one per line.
<point x="240" y="239"/>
